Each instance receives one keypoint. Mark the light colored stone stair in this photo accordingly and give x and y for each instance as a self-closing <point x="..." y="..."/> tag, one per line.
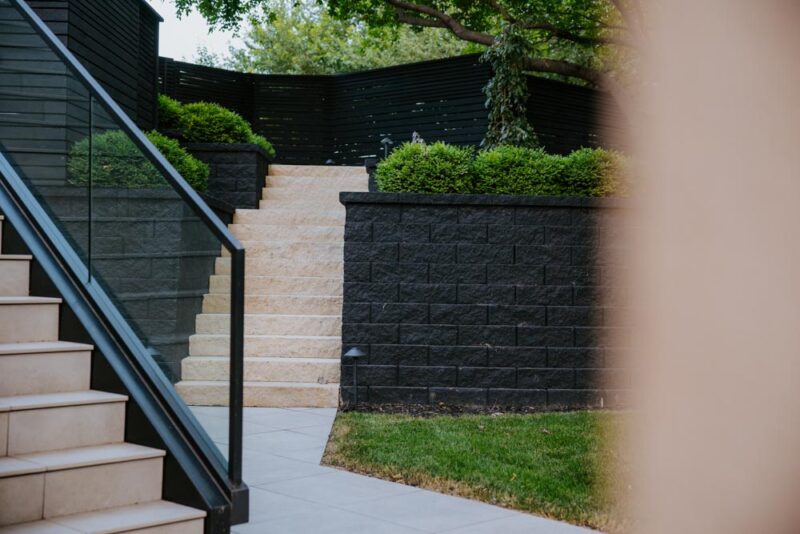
<point x="64" y="465"/>
<point x="293" y="300"/>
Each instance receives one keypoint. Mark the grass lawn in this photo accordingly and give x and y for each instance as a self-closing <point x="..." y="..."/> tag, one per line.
<point x="551" y="464"/>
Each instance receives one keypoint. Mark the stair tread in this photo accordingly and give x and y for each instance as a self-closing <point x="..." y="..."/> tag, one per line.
<point x="16" y="257"/>
<point x="111" y="520"/>
<point x="279" y="315"/>
<point x="276" y="359"/>
<point x="74" y="458"/>
<point x="43" y="347"/>
<point x="292" y="385"/>
<point x="271" y="336"/>
<point x="29" y="300"/>
<point x="55" y="400"/>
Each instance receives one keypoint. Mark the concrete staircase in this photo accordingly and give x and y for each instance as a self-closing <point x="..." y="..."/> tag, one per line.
<point x="64" y="465"/>
<point x="293" y="300"/>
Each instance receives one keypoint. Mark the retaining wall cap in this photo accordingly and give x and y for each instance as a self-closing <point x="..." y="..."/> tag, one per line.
<point x="480" y="200"/>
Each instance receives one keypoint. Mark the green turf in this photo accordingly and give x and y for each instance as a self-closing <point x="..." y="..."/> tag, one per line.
<point x="553" y="464"/>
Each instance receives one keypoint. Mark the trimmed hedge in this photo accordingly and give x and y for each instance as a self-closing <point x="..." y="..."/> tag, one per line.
<point x="505" y="170"/>
<point x="118" y="162"/>
<point x="205" y="122"/>
<point x="169" y="113"/>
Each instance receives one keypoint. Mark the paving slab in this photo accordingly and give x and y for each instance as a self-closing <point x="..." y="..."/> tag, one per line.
<point x="291" y="492"/>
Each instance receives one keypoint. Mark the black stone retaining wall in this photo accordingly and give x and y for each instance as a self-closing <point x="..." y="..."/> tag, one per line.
<point x="238" y="171"/>
<point x="476" y="300"/>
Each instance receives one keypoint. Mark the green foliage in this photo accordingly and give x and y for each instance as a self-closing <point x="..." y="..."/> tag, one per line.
<point x="560" y="465"/>
<point x="504" y="170"/>
<point x="570" y="31"/>
<point x="420" y="168"/>
<point x="507" y="91"/>
<point x="261" y="141"/>
<point x="204" y="122"/>
<point x="169" y="112"/>
<point x="306" y="39"/>
<point x="508" y="170"/>
<point x="117" y="162"/>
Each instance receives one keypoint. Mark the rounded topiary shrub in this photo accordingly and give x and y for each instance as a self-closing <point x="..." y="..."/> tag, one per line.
<point x="203" y="122"/>
<point x="262" y="141"/>
<point x="118" y="162"/>
<point x="421" y="168"/>
<point x="511" y="170"/>
<point x="592" y="172"/>
<point x="169" y="113"/>
<point x="194" y="171"/>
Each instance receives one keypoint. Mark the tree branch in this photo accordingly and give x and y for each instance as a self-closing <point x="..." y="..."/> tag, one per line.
<point x="449" y="22"/>
<point x="574" y="37"/>
<point x="405" y="18"/>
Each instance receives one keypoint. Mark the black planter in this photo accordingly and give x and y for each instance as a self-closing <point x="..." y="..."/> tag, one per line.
<point x="238" y="171"/>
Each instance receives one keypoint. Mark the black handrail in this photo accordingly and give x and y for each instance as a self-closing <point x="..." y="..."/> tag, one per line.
<point x="233" y="478"/>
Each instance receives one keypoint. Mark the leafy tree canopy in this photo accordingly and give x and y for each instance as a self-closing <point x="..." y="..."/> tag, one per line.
<point x="306" y="39"/>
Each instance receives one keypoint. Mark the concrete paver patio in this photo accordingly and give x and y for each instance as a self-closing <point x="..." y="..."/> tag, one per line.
<point x="290" y="492"/>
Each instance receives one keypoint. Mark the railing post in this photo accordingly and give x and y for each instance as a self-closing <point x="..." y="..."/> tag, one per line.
<point x="236" y="403"/>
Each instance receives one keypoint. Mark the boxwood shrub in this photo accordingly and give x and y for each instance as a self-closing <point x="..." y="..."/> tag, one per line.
<point x="169" y="113"/>
<point x="118" y="162"/>
<point x="202" y="122"/>
<point x="504" y="170"/>
<point x="421" y="168"/>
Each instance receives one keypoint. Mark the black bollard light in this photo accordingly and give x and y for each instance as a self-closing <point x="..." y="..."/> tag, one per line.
<point x="354" y="354"/>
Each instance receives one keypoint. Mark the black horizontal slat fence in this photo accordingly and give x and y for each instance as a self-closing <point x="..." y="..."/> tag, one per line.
<point x="314" y="119"/>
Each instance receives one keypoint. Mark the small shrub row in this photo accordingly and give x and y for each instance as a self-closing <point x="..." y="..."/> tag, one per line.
<point x="204" y="122"/>
<point x="505" y="170"/>
<point x="117" y="162"/>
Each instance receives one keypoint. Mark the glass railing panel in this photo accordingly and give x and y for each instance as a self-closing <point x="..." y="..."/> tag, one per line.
<point x="154" y="251"/>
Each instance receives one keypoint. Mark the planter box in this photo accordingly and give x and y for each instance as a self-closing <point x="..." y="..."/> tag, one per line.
<point x="477" y="300"/>
<point x="238" y="171"/>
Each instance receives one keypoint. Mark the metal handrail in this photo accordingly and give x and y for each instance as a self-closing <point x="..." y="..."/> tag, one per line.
<point x="198" y="206"/>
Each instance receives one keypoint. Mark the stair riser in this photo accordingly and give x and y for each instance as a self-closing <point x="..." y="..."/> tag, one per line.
<point x="194" y="526"/>
<point x="299" y="252"/>
<point x="290" y="217"/>
<point x="24" y="323"/>
<point x="22" y="499"/>
<point x="51" y="429"/>
<point x="275" y="233"/>
<point x="301" y="203"/>
<point x="287" y="305"/>
<point x="218" y="345"/>
<point x="100" y="487"/>
<point x="317" y="170"/>
<point x="14" y="278"/>
<point x="268" y="267"/>
<point x="29" y="374"/>
<point x="271" y="325"/>
<point x="261" y="371"/>
<point x="283" y="286"/>
<point x="328" y="195"/>
<point x="343" y="183"/>
<point x="264" y="397"/>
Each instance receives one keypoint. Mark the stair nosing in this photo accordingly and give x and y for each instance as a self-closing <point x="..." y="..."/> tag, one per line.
<point x="16" y="403"/>
<point x="132" y="452"/>
<point x="182" y="514"/>
<point x="15" y="300"/>
<point x="42" y="347"/>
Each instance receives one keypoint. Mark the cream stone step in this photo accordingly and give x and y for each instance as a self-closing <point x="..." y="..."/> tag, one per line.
<point x="341" y="183"/>
<point x="255" y="266"/>
<point x="277" y="304"/>
<point x="327" y="195"/>
<point x="14" y="274"/>
<point x="272" y="324"/>
<point x="335" y="216"/>
<point x="281" y="285"/>
<point x="262" y="394"/>
<point x="268" y="346"/>
<point x="303" y="203"/>
<point x="28" y="319"/>
<point x="160" y="517"/>
<point x="296" y="251"/>
<point x="287" y="232"/>
<point x="80" y="480"/>
<point x="53" y="421"/>
<point x="316" y="170"/>
<point x="39" y="368"/>
<point x="308" y="370"/>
